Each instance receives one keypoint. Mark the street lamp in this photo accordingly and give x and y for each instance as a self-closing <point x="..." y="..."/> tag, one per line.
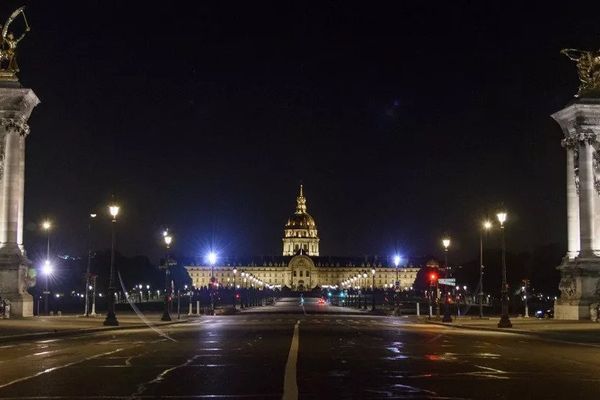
<point x="47" y="270"/>
<point x="168" y="240"/>
<point x="87" y="271"/>
<point x="234" y="289"/>
<point x="373" y="290"/>
<point x="111" y="317"/>
<point x="212" y="259"/>
<point x="46" y="226"/>
<point x="364" y="275"/>
<point x="486" y="226"/>
<point x="447" y="317"/>
<point x="504" y="319"/>
<point x="397" y="260"/>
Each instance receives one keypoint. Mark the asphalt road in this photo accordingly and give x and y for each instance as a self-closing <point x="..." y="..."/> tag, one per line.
<point x="322" y="355"/>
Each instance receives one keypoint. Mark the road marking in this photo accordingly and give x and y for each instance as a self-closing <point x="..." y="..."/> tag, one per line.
<point x="25" y="378"/>
<point x="290" y="384"/>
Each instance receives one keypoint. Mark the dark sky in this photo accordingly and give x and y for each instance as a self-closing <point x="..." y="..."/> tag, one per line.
<point x="404" y="121"/>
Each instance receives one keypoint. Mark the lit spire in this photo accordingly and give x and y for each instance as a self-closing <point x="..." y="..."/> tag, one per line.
<point x="301" y="200"/>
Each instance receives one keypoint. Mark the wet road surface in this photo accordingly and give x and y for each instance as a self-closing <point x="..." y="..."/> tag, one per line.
<point x="336" y="356"/>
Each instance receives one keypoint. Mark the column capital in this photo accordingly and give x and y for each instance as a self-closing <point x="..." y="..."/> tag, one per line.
<point x="14" y="125"/>
<point x="580" y="136"/>
<point x="580" y="122"/>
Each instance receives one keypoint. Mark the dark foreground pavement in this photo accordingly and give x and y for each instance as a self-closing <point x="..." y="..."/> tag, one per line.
<point x="338" y="356"/>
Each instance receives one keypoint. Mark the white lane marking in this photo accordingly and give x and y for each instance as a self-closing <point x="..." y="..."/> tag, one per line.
<point x="160" y="377"/>
<point x="25" y="378"/>
<point x="290" y="384"/>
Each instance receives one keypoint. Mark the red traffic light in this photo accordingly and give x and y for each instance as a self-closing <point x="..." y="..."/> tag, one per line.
<point x="433" y="277"/>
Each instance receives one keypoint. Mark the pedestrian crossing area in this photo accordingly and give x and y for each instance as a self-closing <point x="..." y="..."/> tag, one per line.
<point x="308" y="321"/>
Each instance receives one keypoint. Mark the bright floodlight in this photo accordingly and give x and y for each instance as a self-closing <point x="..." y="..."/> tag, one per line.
<point x="114" y="210"/>
<point x="47" y="268"/>
<point x="446" y="243"/>
<point x="396" y="260"/>
<point x="487" y="225"/>
<point x="212" y="258"/>
<point x="373" y="271"/>
<point x="501" y="217"/>
<point x="46" y="225"/>
<point x="168" y="240"/>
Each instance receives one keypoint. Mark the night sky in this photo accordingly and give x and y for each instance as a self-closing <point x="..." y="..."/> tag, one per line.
<point x="404" y="122"/>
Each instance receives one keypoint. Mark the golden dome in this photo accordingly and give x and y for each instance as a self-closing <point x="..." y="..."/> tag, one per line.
<point x="301" y="219"/>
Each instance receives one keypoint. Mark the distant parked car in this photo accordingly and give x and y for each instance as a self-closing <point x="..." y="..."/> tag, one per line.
<point x="547" y="313"/>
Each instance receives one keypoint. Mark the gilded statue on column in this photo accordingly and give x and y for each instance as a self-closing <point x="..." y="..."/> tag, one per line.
<point x="588" y="68"/>
<point x="8" y="45"/>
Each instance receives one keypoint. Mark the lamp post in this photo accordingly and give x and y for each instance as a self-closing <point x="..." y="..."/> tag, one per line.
<point x="397" y="260"/>
<point x="397" y="264"/>
<point x="111" y="317"/>
<point x="504" y="319"/>
<point x="168" y="240"/>
<point x="93" y="313"/>
<point x="87" y="270"/>
<point x="373" y="290"/>
<point x="364" y="275"/>
<point x="486" y="226"/>
<point x="447" y="317"/>
<point x="46" y="226"/>
<point x="234" y="289"/>
<point x="212" y="259"/>
<point x="47" y="270"/>
<point x="243" y="289"/>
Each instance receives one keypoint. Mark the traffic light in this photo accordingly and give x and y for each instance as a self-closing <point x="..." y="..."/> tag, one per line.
<point x="433" y="277"/>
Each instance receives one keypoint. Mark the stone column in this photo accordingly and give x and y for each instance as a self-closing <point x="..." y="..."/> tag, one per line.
<point x="586" y="199"/>
<point x="16" y="105"/>
<point x="21" y="194"/>
<point x="572" y="207"/>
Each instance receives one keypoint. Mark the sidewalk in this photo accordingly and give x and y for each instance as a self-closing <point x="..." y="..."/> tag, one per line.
<point x="41" y="327"/>
<point x="585" y="332"/>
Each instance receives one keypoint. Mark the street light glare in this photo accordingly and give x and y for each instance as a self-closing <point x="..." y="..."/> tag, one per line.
<point x="46" y="225"/>
<point x="446" y="243"/>
<point x="168" y="240"/>
<point x="396" y="260"/>
<point x="114" y="210"/>
<point x="501" y="217"/>
<point x="487" y="225"/>
<point x="212" y="258"/>
<point x="47" y="268"/>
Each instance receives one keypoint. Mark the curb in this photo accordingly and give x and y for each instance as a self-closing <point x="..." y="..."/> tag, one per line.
<point x="537" y="335"/>
<point x="73" y="332"/>
<point x="483" y="328"/>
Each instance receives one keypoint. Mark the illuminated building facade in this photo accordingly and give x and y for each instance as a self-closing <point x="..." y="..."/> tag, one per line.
<point x="300" y="267"/>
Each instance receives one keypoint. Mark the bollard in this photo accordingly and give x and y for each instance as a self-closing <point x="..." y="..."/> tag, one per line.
<point x="198" y="307"/>
<point x="418" y="309"/>
<point x="430" y="311"/>
<point x="190" y="308"/>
